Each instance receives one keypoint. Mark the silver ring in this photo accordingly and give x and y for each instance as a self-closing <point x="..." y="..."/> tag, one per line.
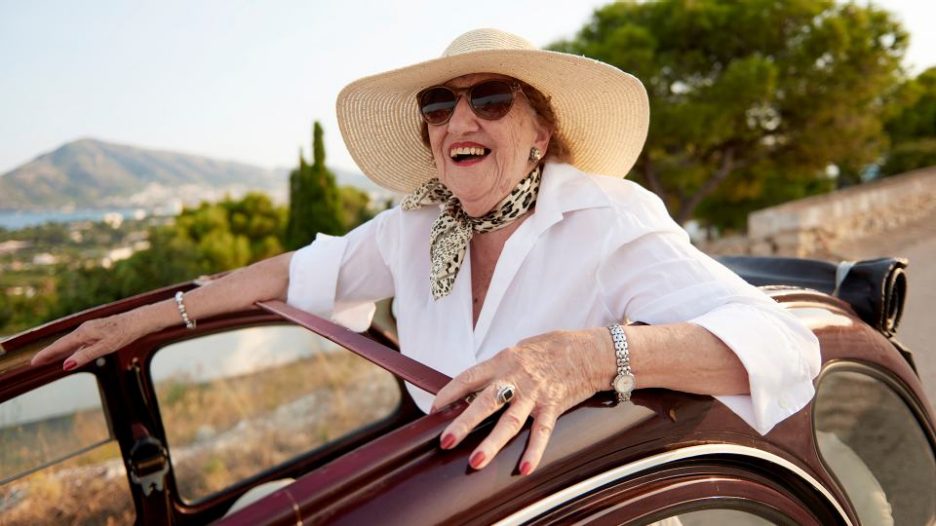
<point x="505" y="393"/>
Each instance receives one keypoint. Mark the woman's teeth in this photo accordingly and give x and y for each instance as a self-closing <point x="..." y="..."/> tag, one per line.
<point x="467" y="152"/>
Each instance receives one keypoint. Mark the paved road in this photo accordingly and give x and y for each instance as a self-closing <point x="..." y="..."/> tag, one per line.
<point x="917" y="330"/>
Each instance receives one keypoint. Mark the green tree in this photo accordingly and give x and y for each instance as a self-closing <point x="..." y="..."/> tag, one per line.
<point x="314" y="201"/>
<point x="750" y="101"/>
<point x="6" y="309"/>
<point x="208" y="239"/>
<point x="912" y="128"/>
<point x="355" y="206"/>
<point x="84" y="287"/>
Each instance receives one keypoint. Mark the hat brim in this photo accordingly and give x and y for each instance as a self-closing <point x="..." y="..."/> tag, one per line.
<point x="603" y="113"/>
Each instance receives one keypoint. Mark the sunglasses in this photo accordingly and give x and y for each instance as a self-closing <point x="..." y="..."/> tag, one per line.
<point x="488" y="99"/>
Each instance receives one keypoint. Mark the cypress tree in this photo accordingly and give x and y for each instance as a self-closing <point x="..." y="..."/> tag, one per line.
<point x="318" y="146"/>
<point x="314" y="201"/>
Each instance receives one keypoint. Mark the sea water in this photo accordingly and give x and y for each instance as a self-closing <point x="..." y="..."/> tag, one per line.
<point x="17" y="220"/>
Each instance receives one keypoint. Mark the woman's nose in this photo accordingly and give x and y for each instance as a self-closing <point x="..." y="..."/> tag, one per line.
<point x="463" y="119"/>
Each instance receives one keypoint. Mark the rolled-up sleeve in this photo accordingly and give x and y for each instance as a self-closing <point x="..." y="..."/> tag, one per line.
<point x="340" y="278"/>
<point x="658" y="277"/>
<point x="780" y="354"/>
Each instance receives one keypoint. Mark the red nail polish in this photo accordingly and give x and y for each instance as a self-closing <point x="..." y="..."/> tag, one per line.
<point x="525" y="468"/>
<point x="476" y="459"/>
<point x="69" y="365"/>
<point x="448" y="440"/>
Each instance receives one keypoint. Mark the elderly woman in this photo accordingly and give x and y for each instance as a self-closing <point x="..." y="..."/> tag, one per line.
<point x="518" y="255"/>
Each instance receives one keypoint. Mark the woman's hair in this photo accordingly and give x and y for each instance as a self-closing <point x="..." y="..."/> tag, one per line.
<point x="557" y="151"/>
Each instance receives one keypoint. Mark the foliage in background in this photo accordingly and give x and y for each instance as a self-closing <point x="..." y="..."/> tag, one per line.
<point x="211" y="238"/>
<point x="750" y="101"/>
<point x="912" y="128"/>
<point x="6" y="309"/>
<point x="314" y="201"/>
<point x="356" y="207"/>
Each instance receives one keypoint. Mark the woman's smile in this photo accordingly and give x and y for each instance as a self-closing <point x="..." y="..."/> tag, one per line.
<point x="468" y="153"/>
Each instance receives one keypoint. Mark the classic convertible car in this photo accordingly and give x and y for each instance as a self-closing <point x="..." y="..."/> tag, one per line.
<point x="265" y="417"/>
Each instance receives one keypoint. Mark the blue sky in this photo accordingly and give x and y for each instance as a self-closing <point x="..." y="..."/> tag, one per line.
<point x="243" y="80"/>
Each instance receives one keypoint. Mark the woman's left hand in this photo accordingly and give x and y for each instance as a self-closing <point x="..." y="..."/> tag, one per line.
<point x="551" y="373"/>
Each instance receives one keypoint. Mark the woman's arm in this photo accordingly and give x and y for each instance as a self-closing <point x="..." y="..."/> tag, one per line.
<point x="555" y="371"/>
<point x="264" y="280"/>
<point x="709" y="332"/>
<point x="684" y="357"/>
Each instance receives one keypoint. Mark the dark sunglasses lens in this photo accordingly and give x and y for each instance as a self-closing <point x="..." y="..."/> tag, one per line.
<point x="437" y="104"/>
<point x="491" y="100"/>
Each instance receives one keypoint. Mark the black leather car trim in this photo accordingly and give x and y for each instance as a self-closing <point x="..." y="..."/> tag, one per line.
<point x="875" y="289"/>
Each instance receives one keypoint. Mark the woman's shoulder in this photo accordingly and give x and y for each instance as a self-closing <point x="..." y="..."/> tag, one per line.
<point x="625" y="200"/>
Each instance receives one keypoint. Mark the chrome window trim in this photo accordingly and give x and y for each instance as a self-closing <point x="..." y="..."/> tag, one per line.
<point x="572" y="492"/>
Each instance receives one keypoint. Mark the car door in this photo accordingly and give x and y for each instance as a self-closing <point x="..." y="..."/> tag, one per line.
<point x="182" y="423"/>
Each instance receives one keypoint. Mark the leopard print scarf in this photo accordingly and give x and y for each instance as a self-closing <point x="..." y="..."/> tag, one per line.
<point x="452" y="231"/>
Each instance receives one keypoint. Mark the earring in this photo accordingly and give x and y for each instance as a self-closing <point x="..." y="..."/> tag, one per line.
<point x="535" y="154"/>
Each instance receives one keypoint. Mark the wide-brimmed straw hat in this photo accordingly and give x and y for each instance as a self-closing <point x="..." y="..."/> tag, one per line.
<point x="602" y="112"/>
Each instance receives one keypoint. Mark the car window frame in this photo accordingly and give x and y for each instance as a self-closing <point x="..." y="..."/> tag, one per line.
<point x="114" y="403"/>
<point x="891" y="380"/>
<point x="303" y="463"/>
<point x="129" y="395"/>
<point x="213" y="506"/>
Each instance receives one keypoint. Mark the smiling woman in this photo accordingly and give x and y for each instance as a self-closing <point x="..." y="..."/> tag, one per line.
<point x="519" y="256"/>
<point x="429" y="100"/>
<point x="512" y="135"/>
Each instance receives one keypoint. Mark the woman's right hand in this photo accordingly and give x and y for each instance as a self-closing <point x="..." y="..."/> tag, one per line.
<point x="267" y="279"/>
<point x="94" y="338"/>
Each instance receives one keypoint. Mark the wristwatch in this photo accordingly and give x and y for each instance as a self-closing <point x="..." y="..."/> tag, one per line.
<point x="624" y="383"/>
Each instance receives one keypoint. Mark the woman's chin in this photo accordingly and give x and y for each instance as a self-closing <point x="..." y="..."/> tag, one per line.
<point x="473" y="168"/>
<point x="475" y="201"/>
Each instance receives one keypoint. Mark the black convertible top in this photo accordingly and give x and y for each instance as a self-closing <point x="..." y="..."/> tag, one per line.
<point x="875" y="288"/>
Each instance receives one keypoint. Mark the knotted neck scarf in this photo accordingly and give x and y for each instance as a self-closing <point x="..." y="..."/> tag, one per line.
<point x="453" y="230"/>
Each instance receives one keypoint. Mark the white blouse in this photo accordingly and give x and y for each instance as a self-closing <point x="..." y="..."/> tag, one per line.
<point x="596" y="250"/>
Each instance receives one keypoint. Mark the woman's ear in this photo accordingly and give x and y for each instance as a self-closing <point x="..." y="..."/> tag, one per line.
<point x="541" y="140"/>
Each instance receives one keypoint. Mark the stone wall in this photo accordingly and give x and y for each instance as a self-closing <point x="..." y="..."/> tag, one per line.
<point x="817" y="226"/>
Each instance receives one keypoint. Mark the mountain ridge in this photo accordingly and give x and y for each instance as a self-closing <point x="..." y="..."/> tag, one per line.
<point x="91" y="173"/>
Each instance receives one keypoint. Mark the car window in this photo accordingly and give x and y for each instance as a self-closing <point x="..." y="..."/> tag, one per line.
<point x="59" y="463"/>
<point x="872" y="442"/>
<point x="236" y="403"/>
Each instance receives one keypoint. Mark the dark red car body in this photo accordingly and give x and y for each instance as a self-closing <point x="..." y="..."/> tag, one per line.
<point x="606" y="464"/>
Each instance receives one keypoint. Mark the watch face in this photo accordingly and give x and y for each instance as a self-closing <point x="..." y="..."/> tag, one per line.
<point x="624" y="383"/>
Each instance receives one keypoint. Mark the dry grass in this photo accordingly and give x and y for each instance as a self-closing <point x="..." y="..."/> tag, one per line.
<point x="228" y="429"/>
<point x="69" y="493"/>
<point x="36" y="443"/>
<point x="219" y="432"/>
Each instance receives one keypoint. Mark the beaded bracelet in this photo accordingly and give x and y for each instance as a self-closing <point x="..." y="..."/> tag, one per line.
<point x="189" y="324"/>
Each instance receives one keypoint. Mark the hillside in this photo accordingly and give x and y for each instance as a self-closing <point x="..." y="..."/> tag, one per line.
<point x="94" y="174"/>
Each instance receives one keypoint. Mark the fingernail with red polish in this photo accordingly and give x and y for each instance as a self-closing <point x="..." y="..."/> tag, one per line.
<point x="476" y="459"/>
<point x="69" y="365"/>
<point x="448" y="440"/>
<point x="525" y="468"/>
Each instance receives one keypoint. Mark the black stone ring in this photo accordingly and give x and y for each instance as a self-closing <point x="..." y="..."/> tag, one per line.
<point x="505" y="393"/>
